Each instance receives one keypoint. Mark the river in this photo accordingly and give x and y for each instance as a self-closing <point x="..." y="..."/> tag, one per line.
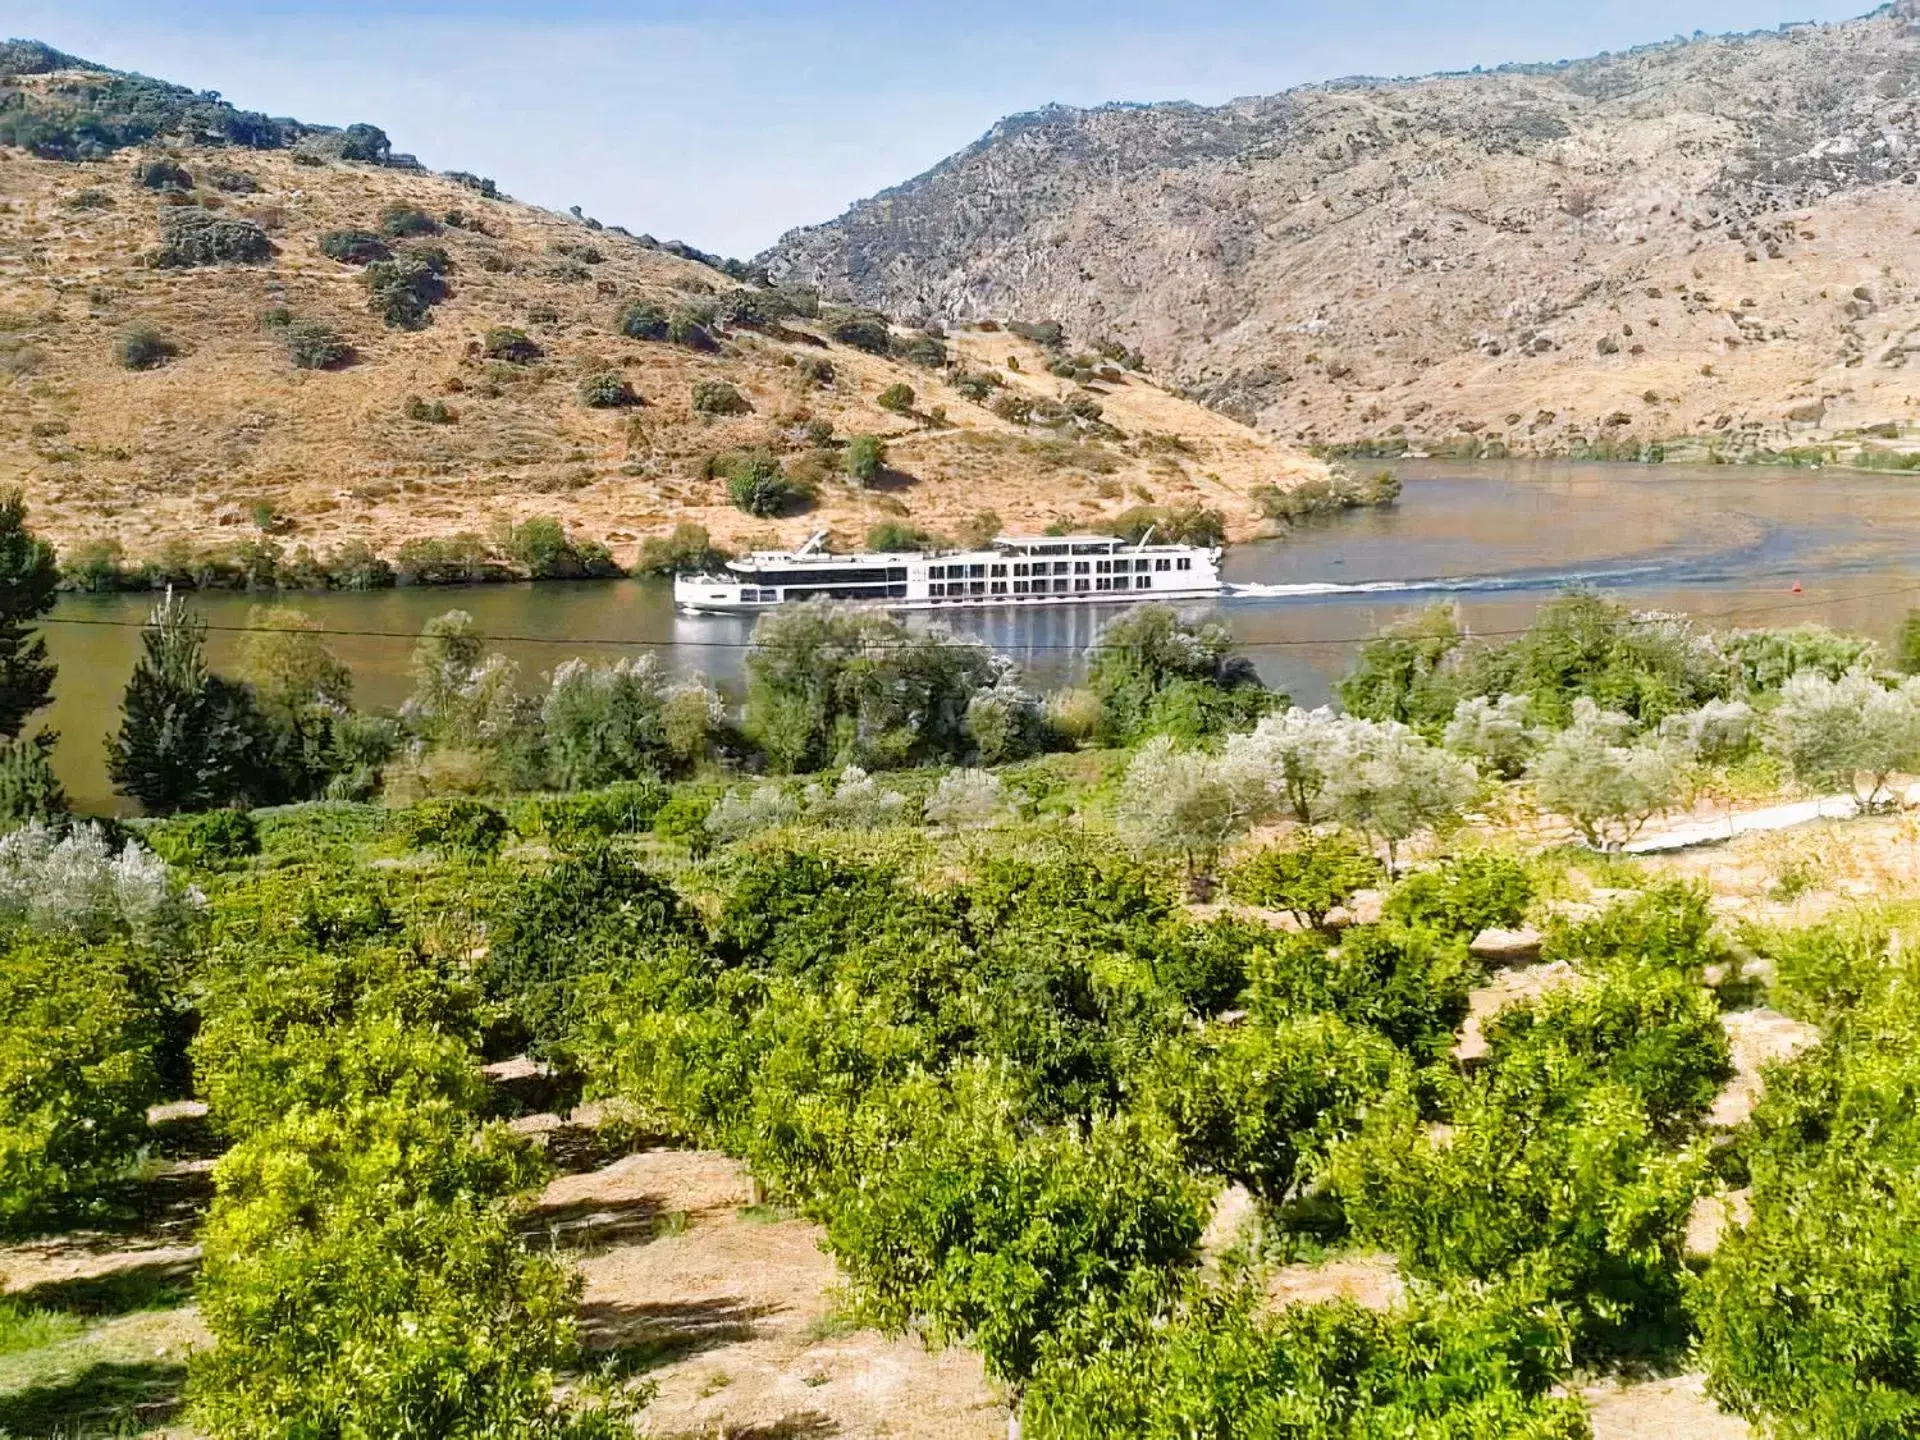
<point x="1727" y="544"/>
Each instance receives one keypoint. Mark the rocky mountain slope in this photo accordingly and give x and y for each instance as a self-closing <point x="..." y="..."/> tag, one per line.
<point x="214" y="324"/>
<point x="1712" y="243"/>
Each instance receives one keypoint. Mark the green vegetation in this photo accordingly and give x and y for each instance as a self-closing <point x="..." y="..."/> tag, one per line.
<point x="144" y="348"/>
<point x="607" y="392"/>
<point x="504" y="342"/>
<point x="898" y="398"/>
<point x="864" y="458"/>
<point x="757" y="484"/>
<point x="192" y="236"/>
<point x="354" y="247"/>
<point x="313" y="346"/>
<point x="403" y="291"/>
<point x="717" y="397"/>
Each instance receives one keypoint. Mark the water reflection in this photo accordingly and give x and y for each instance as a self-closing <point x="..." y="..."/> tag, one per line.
<point x="1491" y="539"/>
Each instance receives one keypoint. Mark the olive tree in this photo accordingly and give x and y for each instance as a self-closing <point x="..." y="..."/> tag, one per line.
<point x="1392" y="785"/>
<point x="1836" y="733"/>
<point x="1187" y="803"/>
<point x="1497" y="733"/>
<point x="1608" y="785"/>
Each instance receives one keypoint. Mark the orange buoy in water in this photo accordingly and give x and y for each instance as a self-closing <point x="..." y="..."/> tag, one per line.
<point x="1796" y="587"/>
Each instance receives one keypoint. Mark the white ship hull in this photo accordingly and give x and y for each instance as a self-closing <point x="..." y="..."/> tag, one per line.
<point x="1018" y="572"/>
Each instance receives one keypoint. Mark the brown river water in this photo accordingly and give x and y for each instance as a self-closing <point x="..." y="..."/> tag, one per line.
<point x="1726" y="544"/>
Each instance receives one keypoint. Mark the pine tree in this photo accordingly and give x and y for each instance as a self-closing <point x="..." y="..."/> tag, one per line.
<point x="29" y="576"/>
<point x="188" y="739"/>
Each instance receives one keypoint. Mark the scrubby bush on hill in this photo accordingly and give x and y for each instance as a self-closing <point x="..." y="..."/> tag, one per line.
<point x="144" y="348"/>
<point x="757" y="484"/>
<point x="354" y="247"/>
<point x="643" y="321"/>
<point x="864" y="332"/>
<point x="403" y="291"/>
<point x="864" y="458"/>
<point x="717" y="397"/>
<point x="162" y="174"/>
<point x="314" y="346"/>
<point x="504" y="342"/>
<point x="191" y="236"/>
<point x="607" y="392"/>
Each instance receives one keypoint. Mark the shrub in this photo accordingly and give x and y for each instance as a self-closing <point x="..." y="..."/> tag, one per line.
<point x="717" y="397"/>
<point x="970" y="799"/>
<point x="313" y="346"/>
<point x="162" y="174"/>
<point x="684" y="817"/>
<point x="29" y="788"/>
<point x="756" y="484"/>
<point x="1607" y="788"/>
<point x="1467" y="894"/>
<point x="73" y="881"/>
<point x="192" y="236"/>
<point x="454" y="826"/>
<point x="354" y="247"/>
<point x="864" y="332"/>
<point x="864" y="458"/>
<point x="76" y="1077"/>
<point x="575" y="822"/>
<point x="426" y="412"/>
<point x="404" y="290"/>
<point x="607" y="392"/>
<point x="504" y="342"/>
<point x="898" y="398"/>
<point x="398" y="221"/>
<point x="211" y="840"/>
<point x="1307" y="879"/>
<point x="604" y="722"/>
<point x="234" y="182"/>
<point x="897" y="536"/>
<point x="1155" y="671"/>
<point x="392" y="1232"/>
<point x="688" y="549"/>
<point x="1838" y="732"/>
<point x="144" y="348"/>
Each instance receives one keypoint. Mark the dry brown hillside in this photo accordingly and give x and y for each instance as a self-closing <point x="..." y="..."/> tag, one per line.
<point x="229" y="428"/>
<point x="1714" y="242"/>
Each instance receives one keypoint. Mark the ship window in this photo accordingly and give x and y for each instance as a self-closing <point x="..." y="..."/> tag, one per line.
<point x="1123" y="582"/>
<point x="1143" y="564"/>
<point x="1145" y="582"/>
<point x="1104" y="582"/>
<point x="1059" y="586"/>
<point x="999" y="570"/>
<point x="977" y="587"/>
<point x="1080" y="583"/>
<point x="1020" y="587"/>
<point x="1059" y="567"/>
<point x="936" y="590"/>
<point x="896" y="592"/>
<point x="1101" y="567"/>
<point x="936" y="572"/>
<point x="1163" y="563"/>
<point x="976" y="572"/>
<point x="1186" y="562"/>
<point x="999" y="587"/>
<point x="1080" y="568"/>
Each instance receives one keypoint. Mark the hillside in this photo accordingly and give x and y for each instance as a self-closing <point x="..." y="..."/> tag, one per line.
<point x="225" y="434"/>
<point x="1710" y="243"/>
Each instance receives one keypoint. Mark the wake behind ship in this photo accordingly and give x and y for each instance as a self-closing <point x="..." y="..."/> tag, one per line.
<point x="1016" y="570"/>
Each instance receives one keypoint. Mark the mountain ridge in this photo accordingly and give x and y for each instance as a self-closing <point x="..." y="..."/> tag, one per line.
<point x="1467" y="246"/>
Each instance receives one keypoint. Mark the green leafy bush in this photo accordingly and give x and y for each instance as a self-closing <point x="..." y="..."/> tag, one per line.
<point x="1465" y="895"/>
<point x="399" y="221"/>
<point x="643" y="321"/>
<point x="354" y="247"/>
<point x="626" y="807"/>
<point x="687" y="549"/>
<point x="1307" y="878"/>
<point x="717" y="397"/>
<point x="898" y="398"/>
<point x="390" y="1229"/>
<point x="144" y="348"/>
<point x="313" y="346"/>
<point x="864" y="332"/>
<point x="864" y="458"/>
<point x="403" y="291"/>
<point x="607" y="392"/>
<point x="162" y="174"/>
<point x="757" y="485"/>
<point x="456" y="826"/>
<point x="504" y="342"/>
<point x="211" y="840"/>
<point x="1158" y="673"/>
<point x="193" y="236"/>
<point x="76" y="1077"/>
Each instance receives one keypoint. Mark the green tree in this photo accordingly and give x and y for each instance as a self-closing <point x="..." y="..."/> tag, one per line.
<point x="1154" y="671"/>
<point x="1404" y="673"/>
<point x="833" y="685"/>
<point x="76" y="1077"/>
<point x="864" y="458"/>
<point x="1306" y="878"/>
<point x="29" y="577"/>
<point x="973" y="1228"/>
<point x="898" y="398"/>
<point x="188" y="739"/>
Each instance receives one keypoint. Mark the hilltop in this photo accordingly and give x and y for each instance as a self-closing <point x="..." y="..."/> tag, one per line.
<point x="186" y="364"/>
<point x="1707" y="245"/>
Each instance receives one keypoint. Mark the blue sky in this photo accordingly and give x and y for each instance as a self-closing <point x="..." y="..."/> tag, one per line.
<point x="725" y="124"/>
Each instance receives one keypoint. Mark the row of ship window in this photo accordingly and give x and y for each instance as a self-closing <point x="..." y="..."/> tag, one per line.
<point x="1059" y="585"/>
<point x="1060" y="567"/>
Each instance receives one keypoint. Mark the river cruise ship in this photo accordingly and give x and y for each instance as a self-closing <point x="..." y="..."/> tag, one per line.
<point x="1018" y="570"/>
